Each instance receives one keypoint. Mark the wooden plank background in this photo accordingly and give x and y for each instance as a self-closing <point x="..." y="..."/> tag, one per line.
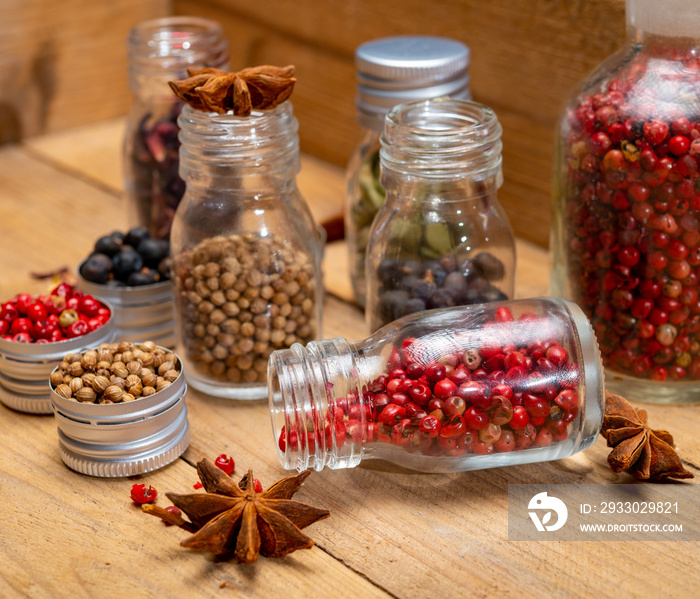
<point x="527" y="57"/>
<point x="63" y="63"/>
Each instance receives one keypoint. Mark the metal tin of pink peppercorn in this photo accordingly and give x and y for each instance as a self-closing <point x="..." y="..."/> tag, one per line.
<point x="123" y="439"/>
<point x="25" y="367"/>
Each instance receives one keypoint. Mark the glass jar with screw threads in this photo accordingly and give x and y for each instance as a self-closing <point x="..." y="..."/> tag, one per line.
<point x="455" y="389"/>
<point x="391" y="71"/>
<point x="246" y="254"/>
<point x="161" y="50"/>
<point x="441" y="238"/>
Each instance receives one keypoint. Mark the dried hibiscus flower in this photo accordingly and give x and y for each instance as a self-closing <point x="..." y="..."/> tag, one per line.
<point x="645" y="453"/>
<point x="214" y="90"/>
<point x="228" y="518"/>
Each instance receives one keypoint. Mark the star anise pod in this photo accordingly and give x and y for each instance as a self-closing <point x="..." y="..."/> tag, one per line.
<point x="214" y="90"/>
<point x="239" y="520"/>
<point x="647" y="454"/>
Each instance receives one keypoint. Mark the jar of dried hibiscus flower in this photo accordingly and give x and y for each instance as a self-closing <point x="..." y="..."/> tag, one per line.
<point x="454" y="389"/>
<point x="626" y="233"/>
<point x="161" y="50"/>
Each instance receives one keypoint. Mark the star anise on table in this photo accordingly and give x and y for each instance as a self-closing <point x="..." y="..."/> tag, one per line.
<point x="228" y="518"/>
<point x="645" y="453"/>
<point x="214" y="90"/>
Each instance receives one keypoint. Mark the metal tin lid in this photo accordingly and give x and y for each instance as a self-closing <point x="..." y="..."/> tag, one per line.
<point x="400" y="69"/>
<point x="141" y="295"/>
<point x="29" y="404"/>
<point x="123" y="439"/>
<point x="25" y="367"/>
<point x="148" y="455"/>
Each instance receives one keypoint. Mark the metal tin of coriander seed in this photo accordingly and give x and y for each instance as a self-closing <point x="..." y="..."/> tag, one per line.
<point x="123" y="439"/>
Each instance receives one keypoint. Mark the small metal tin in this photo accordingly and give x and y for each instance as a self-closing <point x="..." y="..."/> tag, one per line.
<point x="25" y="367"/>
<point x="142" y="312"/>
<point x="123" y="439"/>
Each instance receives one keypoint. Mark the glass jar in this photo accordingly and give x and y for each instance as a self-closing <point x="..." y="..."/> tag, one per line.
<point x="159" y="51"/>
<point x="460" y="388"/>
<point x="442" y="238"/>
<point x="391" y="71"/>
<point x="246" y="254"/>
<point x="626" y="229"/>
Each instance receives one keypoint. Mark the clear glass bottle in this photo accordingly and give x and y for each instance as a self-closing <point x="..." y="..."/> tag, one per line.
<point x="391" y="71"/>
<point x="441" y="238"/>
<point x="626" y="226"/>
<point x="246" y="254"/>
<point x="460" y="388"/>
<point x="159" y="51"/>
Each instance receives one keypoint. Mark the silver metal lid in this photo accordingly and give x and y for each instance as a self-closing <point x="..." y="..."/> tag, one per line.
<point x="400" y="69"/>
<point x="25" y="367"/>
<point x="123" y="439"/>
<point x="29" y="404"/>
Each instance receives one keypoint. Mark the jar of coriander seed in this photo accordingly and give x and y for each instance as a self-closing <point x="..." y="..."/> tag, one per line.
<point x="246" y="254"/>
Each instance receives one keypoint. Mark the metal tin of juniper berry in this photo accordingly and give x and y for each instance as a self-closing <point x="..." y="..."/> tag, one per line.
<point x="141" y="312"/>
<point x="25" y="367"/>
<point x="123" y="439"/>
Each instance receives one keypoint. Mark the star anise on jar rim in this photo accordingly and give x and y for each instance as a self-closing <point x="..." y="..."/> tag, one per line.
<point x="214" y="90"/>
<point x="645" y="453"/>
<point x="229" y="518"/>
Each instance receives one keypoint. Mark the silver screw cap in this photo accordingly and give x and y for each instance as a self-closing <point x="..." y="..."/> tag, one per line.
<point x="395" y="70"/>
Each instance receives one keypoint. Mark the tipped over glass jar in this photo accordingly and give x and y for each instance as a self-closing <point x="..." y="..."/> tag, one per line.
<point x="626" y="235"/>
<point x="448" y="390"/>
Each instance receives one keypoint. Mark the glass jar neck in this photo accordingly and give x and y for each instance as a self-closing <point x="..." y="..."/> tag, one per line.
<point x="161" y="50"/>
<point x="653" y="20"/>
<point x="255" y="153"/>
<point x="305" y="385"/>
<point x="441" y="139"/>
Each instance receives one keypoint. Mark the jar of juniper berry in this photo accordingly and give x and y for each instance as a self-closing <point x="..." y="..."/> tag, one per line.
<point x="626" y="229"/>
<point x="455" y="389"/>
<point x="441" y="238"/>
<point x="161" y="50"/>
<point x="390" y="71"/>
<point x="246" y="252"/>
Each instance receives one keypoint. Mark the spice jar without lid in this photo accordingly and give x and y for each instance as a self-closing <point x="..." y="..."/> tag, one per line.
<point x="161" y="50"/>
<point x="246" y="253"/>
<point x="442" y="238"/>
<point x="391" y="71"/>
<point x="454" y="389"/>
<point x="626" y="226"/>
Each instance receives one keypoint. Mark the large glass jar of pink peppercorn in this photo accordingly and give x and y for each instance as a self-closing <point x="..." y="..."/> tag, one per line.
<point x="461" y="388"/>
<point x="161" y="50"/>
<point x="626" y="231"/>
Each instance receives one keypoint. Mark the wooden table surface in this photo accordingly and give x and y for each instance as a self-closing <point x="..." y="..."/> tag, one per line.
<point x="392" y="533"/>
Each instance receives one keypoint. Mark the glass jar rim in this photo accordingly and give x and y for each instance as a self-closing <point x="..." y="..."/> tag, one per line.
<point x="177" y="42"/>
<point x="440" y="136"/>
<point x="266" y="138"/>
